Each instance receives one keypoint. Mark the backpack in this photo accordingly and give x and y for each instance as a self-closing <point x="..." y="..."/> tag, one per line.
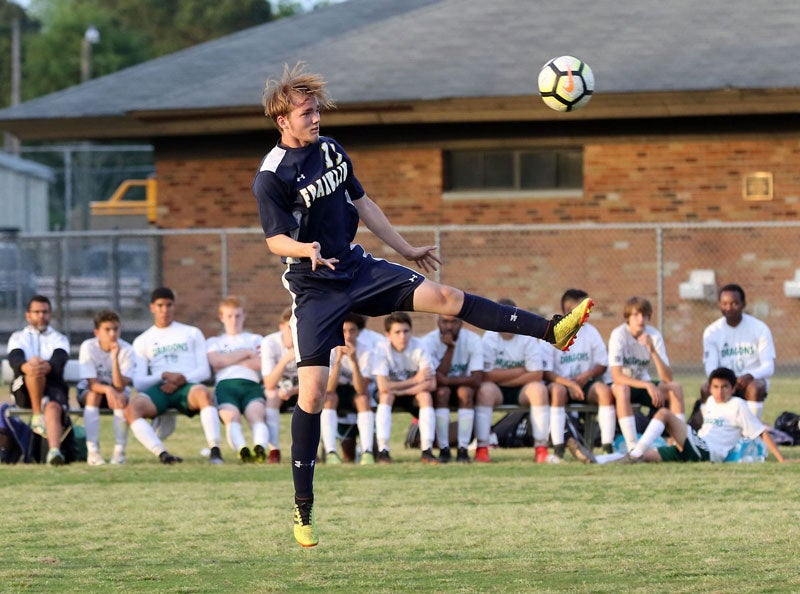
<point x="16" y="443"/>
<point x="514" y="430"/>
<point x="789" y="423"/>
<point x="19" y="444"/>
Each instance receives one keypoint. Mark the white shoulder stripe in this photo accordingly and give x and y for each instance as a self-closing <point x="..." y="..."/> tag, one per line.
<point x="273" y="159"/>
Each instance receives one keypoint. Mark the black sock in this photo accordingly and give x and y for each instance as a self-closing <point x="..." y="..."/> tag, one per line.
<point x="305" y="442"/>
<point x="489" y="315"/>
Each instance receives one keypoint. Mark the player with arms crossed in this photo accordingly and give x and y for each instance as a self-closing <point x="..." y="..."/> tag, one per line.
<point x="743" y="344"/>
<point x="310" y="204"/>
<point x="235" y="358"/>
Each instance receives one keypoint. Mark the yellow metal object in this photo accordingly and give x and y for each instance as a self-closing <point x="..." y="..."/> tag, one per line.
<point x="117" y="206"/>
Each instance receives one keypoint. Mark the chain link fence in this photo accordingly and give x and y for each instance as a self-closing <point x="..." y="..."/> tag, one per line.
<point x="678" y="267"/>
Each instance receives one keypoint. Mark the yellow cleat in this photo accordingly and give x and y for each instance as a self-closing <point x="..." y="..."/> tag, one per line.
<point x="565" y="328"/>
<point x="305" y="529"/>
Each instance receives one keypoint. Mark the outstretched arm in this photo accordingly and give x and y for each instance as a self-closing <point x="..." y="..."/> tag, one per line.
<point x="373" y="217"/>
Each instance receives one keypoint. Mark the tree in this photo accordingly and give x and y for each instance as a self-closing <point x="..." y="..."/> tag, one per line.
<point x="8" y="13"/>
<point x="131" y="31"/>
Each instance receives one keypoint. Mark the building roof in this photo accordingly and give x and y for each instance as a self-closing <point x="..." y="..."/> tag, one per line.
<point x="26" y="167"/>
<point x="390" y="60"/>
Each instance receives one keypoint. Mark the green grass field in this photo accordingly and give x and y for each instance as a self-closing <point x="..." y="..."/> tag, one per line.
<point x="511" y="526"/>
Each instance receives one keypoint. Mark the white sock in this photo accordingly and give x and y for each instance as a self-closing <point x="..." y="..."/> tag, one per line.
<point x="483" y="424"/>
<point x="442" y="428"/>
<point x="427" y="424"/>
<point x="209" y="419"/>
<point x="146" y="435"/>
<point x="366" y="429"/>
<point x="329" y="426"/>
<point x="383" y="426"/>
<point x="260" y="434"/>
<point x="681" y="416"/>
<point x="274" y="427"/>
<point x="756" y="407"/>
<point x="607" y="419"/>
<point x="628" y="427"/>
<point x="120" y="424"/>
<point x="466" y="421"/>
<point x="558" y="421"/>
<point x="606" y="458"/>
<point x="654" y="430"/>
<point x="235" y="436"/>
<point x="540" y="422"/>
<point x="91" y="422"/>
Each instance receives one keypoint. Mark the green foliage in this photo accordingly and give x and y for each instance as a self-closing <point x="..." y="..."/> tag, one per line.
<point x="131" y="31"/>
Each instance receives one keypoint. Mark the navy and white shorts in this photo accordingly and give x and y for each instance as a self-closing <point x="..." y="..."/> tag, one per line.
<point x="323" y="297"/>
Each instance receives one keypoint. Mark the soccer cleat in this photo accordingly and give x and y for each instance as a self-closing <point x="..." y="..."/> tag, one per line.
<point x="55" y="457"/>
<point x="566" y="327"/>
<point x="444" y="455"/>
<point x="215" y="456"/>
<point x="305" y="529"/>
<point x="95" y="459"/>
<point x="628" y="459"/>
<point x="579" y="452"/>
<point x="38" y="426"/>
<point x="384" y="457"/>
<point x="463" y="456"/>
<point x="553" y="459"/>
<point x="541" y="454"/>
<point x="259" y="454"/>
<point x="166" y="458"/>
<point x="367" y="459"/>
<point x="274" y="457"/>
<point x="482" y="454"/>
<point x="246" y="456"/>
<point x="332" y="458"/>
<point x="428" y="457"/>
<point x="118" y="458"/>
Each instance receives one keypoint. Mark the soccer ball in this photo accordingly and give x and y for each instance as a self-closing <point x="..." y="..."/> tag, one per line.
<point x="566" y="83"/>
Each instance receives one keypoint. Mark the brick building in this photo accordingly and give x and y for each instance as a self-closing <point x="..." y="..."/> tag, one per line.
<point x="694" y="120"/>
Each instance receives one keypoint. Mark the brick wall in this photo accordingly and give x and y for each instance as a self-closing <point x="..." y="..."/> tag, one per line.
<point x="645" y="182"/>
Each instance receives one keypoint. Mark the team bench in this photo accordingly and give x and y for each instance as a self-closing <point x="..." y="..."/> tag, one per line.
<point x="71" y="376"/>
<point x="584" y="409"/>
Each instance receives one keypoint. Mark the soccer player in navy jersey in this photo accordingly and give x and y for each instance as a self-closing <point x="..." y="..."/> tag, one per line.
<point x="310" y="203"/>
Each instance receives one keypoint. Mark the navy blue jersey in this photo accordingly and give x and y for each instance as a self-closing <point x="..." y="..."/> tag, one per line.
<point x="307" y="193"/>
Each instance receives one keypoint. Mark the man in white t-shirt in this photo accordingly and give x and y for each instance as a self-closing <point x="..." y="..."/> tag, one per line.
<point x="512" y="374"/>
<point x="457" y="354"/>
<point x="172" y="362"/>
<point x="577" y="375"/>
<point x="743" y="344"/>
<point x="726" y="419"/>
<point x="347" y="390"/>
<point x="38" y="355"/>
<point x="234" y="356"/>
<point x="632" y="348"/>
<point x="403" y="371"/>
<point x="107" y="368"/>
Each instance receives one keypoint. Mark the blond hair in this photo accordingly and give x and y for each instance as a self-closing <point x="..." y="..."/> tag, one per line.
<point x="280" y="95"/>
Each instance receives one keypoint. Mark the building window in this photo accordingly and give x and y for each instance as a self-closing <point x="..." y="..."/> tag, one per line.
<point x="529" y="171"/>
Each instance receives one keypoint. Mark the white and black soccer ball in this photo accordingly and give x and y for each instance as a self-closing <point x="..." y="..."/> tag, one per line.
<point x="566" y="83"/>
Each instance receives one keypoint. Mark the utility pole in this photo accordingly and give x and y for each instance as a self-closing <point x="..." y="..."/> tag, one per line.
<point x="12" y="142"/>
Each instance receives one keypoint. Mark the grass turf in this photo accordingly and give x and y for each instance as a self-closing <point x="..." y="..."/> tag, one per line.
<point x="510" y="526"/>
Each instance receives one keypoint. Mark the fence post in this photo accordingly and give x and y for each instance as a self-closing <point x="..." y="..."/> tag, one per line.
<point x="660" y="276"/>
<point x="223" y="265"/>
